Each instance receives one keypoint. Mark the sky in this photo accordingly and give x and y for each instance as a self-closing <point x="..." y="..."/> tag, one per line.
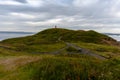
<point x="37" y="15"/>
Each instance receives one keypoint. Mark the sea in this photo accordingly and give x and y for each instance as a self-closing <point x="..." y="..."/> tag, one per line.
<point x="6" y="35"/>
<point x="114" y="36"/>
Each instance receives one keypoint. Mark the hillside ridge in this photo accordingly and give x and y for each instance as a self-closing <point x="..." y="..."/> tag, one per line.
<point x="53" y="35"/>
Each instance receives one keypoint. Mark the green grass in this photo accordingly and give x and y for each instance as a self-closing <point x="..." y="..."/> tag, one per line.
<point x="50" y="40"/>
<point x="74" y="67"/>
<point x="51" y="36"/>
<point x="104" y="50"/>
<point x="24" y="66"/>
<point x="35" y="48"/>
<point x="17" y="61"/>
<point x="40" y="47"/>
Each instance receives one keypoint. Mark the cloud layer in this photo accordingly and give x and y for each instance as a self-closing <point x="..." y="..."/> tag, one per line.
<point x="36" y="15"/>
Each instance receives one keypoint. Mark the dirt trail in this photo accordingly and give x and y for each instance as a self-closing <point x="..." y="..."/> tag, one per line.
<point x="10" y="63"/>
<point x="84" y="51"/>
<point x="80" y="50"/>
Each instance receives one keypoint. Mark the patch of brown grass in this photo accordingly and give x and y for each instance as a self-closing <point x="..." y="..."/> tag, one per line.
<point x="11" y="63"/>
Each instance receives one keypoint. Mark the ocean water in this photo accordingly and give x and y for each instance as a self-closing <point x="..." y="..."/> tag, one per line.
<point x="115" y="36"/>
<point x="7" y="35"/>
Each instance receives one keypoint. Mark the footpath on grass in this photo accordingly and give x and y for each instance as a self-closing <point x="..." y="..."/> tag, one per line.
<point x="77" y="48"/>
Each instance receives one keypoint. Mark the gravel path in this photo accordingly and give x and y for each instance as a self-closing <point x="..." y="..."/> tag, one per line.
<point x="84" y="51"/>
<point x="79" y="50"/>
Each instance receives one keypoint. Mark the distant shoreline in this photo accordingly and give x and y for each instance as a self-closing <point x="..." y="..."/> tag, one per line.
<point x="17" y="32"/>
<point x="112" y="33"/>
<point x="9" y="34"/>
<point x="13" y="34"/>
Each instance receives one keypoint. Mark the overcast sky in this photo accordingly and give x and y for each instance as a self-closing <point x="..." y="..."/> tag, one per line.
<point x="36" y="15"/>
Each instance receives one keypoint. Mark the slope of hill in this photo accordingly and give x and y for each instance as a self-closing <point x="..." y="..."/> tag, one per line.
<point x="19" y="61"/>
<point x="55" y="34"/>
<point x="50" y="40"/>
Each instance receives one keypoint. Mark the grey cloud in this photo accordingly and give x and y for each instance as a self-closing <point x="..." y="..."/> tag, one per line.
<point x="22" y="1"/>
<point x="64" y="13"/>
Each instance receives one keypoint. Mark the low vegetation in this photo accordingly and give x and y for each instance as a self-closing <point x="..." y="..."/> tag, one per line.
<point x="59" y="67"/>
<point x="23" y="58"/>
<point x="55" y="35"/>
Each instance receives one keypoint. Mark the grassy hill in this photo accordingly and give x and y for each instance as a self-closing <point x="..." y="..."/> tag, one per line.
<point x="19" y="58"/>
<point x="73" y="36"/>
<point x="53" y="35"/>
